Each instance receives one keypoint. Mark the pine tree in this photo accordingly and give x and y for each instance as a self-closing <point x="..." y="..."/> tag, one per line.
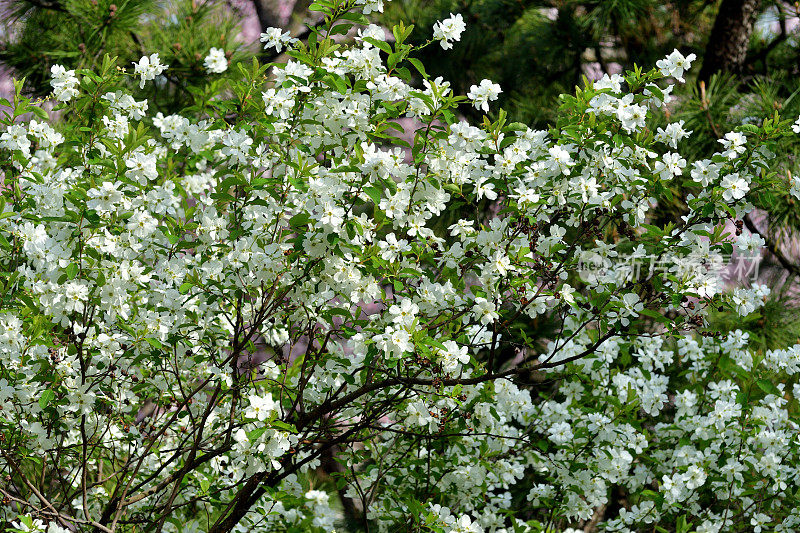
<point x="79" y="33"/>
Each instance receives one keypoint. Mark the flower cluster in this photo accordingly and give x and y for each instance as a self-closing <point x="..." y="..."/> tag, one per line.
<point x="201" y="313"/>
<point x="675" y="65"/>
<point x="449" y="30"/>
<point x="64" y="83"/>
<point x="216" y="62"/>
<point x="148" y="68"/>
<point x="484" y="93"/>
<point x="276" y="38"/>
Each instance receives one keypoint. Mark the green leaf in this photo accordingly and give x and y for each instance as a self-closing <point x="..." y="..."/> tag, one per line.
<point x="341" y="29"/>
<point x="374" y="193"/>
<point x="418" y="65"/>
<point x="768" y="387"/>
<point x="379" y="44"/>
<point x="654" y="315"/>
<point x="47" y="397"/>
<point x="72" y="270"/>
<point x="299" y="220"/>
<point x="39" y="112"/>
<point x="433" y="342"/>
<point x="393" y="59"/>
<point x="155" y="343"/>
<point x="336" y="311"/>
<point x="253" y="436"/>
<point x="321" y="5"/>
<point x="278" y="424"/>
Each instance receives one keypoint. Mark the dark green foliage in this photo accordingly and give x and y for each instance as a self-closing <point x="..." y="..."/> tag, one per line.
<point x="78" y="33"/>
<point x="537" y="50"/>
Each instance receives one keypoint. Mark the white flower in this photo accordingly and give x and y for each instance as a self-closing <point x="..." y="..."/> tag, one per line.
<point x="500" y="263"/>
<point x="675" y="64"/>
<point x="405" y="313"/>
<point x="332" y="216"/>
<point x="758" y="522"/>
<point x="749" y="244"/>
<point x="148" y="68"/>
<point x="560" y="433"/>
<point x="417" y="414"/>
<point x="237" y="146"/>
<point x="370" y="6"/>
<point x="454" y="357"/>
<point x="613" y="82"/>
<point x="75" y="294"/>
<point x="796" y="126"/>
<point x="26" y="524"/>
<point x="64" y="83"/>
<point x="16" y="138"/>
<point x="485" y="189"/>
<point x="671" y="165"/>
<point x="561" y="159"/>
<point x="629" y="308"/>
<point x="485" y="311"/>
<point x="484" y="93"/>
<point x="734" y="187"/>
<point x="117" y="126"/>
<point x="104" y="199"/>
<point x="55" y="528"/>
<point x="734" y="143"/>
<point x="672" y="135"/>
<point x="395" y="341"/>
<point x="141" y="167"/>
<point x="464" y="524"/>
<point x="373" y="31"/>
<point x="216" y="62"/>
<point x="794" y="186"/>
<point x="448" y="30"/>
<point x="392" y="247"/>
<point x="317" y="497"/>
<point x="705" y="172"/>
<point x="261" y="407"/>
<point x="632" y="117"/>
<point x="276" y="38"/>
<point x="124" y="104"/>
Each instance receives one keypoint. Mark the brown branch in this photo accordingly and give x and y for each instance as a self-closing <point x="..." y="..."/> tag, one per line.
<point x="773" y="248"/>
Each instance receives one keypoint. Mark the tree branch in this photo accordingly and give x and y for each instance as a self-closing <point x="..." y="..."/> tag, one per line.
<point x="773" y="248"/>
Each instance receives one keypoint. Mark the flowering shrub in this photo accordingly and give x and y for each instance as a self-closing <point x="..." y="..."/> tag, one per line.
<point x="200" y="309"/>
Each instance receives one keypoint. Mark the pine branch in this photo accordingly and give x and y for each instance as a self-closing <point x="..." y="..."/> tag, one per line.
<point x="762" y="54"/>
<point x="54" y="5"/>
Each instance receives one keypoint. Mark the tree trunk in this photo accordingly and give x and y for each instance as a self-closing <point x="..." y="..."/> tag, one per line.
<point x="269" y="13"/>
<point x="727" y="45"/>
